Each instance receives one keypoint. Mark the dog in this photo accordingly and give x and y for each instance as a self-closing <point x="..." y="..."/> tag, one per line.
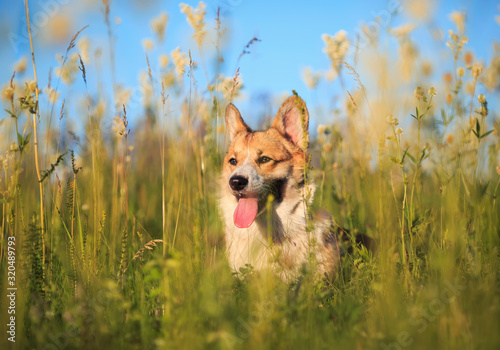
<point x="264" y="197"/>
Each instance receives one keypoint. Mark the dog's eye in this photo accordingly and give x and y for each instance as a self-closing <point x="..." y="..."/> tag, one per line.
<point x="264" y="159"/>
<point x="233" y="161"/>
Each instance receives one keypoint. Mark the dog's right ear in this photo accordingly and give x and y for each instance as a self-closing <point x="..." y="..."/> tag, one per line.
<point x="234" y="122"/>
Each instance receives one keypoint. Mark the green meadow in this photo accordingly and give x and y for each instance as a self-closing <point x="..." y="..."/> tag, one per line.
<point x="111" y="236"/>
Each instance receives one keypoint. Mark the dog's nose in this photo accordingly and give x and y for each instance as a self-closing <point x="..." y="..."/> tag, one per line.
<point x="237" y="183"/>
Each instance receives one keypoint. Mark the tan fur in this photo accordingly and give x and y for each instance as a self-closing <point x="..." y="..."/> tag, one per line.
<point x="289" y="246"/>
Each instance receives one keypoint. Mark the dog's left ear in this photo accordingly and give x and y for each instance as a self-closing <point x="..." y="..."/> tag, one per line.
<point x="292" y="121"/>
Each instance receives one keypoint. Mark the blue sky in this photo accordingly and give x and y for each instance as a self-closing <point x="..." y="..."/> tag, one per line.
<point x="290" y="34"/>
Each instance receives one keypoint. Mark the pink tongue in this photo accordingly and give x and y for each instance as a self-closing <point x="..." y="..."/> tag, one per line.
<point x="245" y="212"/>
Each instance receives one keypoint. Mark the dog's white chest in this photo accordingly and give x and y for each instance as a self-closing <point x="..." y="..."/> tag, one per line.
<point x="247" y="246"/>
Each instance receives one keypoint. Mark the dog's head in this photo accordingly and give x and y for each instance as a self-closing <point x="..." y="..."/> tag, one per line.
<point x="260" y="163"/>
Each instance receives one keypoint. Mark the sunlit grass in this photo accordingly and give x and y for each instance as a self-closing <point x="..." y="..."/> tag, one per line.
<point x="126" y="248"/>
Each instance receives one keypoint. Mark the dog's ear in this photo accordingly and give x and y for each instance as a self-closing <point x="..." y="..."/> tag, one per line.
<point x="292" y="121"/>
<point x="234" y="122"/>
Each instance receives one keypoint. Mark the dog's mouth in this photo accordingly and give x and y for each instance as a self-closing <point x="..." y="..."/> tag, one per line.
<point x="248" y="204"/>
<point x="246" y="211"/>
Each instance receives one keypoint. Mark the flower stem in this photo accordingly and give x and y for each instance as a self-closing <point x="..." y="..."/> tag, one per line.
<point x="35" y="139"/>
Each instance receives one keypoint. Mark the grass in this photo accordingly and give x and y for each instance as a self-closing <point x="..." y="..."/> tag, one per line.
<point x="126" y="248"/>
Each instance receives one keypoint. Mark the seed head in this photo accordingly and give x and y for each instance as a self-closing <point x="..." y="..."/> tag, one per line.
<point x="449" y="98"/>
<point x="448" y="78"/>
<point x="8" y="93"/>
<point x="450" y="138"/>
<point x="180" y="61"/>
<point x="20" y="66"/>
<point x="310" y="78"/>
<point x="196" y="19"/>
<point x="391" y="120"/>
<point x="336" y="47"/>
<point x="158" y="25"/>
<point x="84" y="48"/>
<point x="327" y="147"/>
<point x="477" y="69"/>
<point x="32" y="86"/>
<point x="459" y="19"/>
<point x="52" y="94"/>
<point x="148" y="44"/>
<point x="419" y="93"/>
<point x="164" y="60"/>
<point x="427" y="68"/>
<point x="469" y="87"/>
<point x="468" y="58"/>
